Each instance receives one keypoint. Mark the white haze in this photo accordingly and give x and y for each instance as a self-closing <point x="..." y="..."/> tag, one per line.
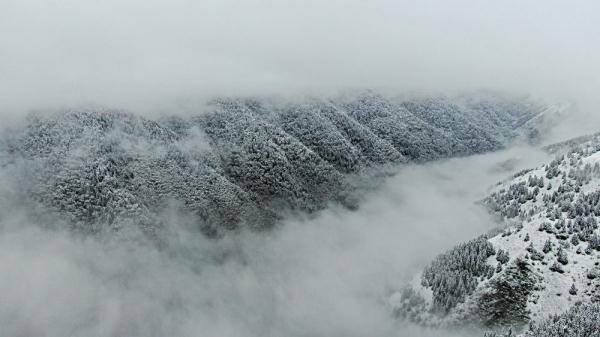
<point x="140" y="55"/>
<point x="326" y="276"/>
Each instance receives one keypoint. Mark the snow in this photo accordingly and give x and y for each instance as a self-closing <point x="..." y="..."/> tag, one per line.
<point x="574" y="176"/>
<point x="244" y="160"/>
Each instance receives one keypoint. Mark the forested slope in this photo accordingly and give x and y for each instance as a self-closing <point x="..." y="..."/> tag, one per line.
<point x="545" y="260"/>
<point x="241" y="162"/>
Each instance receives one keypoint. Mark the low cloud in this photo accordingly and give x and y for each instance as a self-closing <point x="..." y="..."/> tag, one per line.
<point x="329" y="275"/>
<point x="151" y="55"/>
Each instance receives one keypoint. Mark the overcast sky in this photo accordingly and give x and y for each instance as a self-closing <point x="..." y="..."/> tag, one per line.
<point x="134" y="53"/>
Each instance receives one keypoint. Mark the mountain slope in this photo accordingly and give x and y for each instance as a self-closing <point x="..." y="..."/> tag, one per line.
<point x="545" y="260"/>
<point x="244" y="161"/>
<point x="580" y="320"/>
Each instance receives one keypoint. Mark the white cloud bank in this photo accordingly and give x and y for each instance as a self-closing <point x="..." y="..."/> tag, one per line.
<point x="137" y="54"/>
<point x="327" y="276"/>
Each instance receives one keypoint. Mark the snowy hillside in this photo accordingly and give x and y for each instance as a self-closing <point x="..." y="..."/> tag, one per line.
<point x="242" y="161"/>
<point x="582" y="319"/>
<point x="545" y="260"/>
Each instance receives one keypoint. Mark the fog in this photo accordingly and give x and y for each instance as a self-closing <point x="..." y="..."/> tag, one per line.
<point x="330" y="275"/>
<point x="152" y="55"/>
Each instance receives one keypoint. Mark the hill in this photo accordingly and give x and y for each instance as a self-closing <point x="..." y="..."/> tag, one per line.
<point x="242" y="161"/>
<point x="544" y="260"/>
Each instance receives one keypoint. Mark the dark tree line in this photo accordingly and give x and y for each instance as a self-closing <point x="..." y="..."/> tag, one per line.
<point x="454" y="275"/>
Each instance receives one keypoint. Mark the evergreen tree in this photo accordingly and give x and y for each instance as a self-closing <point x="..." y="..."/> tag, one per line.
<point x="502" y="256"/>
<point x="505" y="303"/>
<point x="556" y="267"/>
<point x="561" y="256"/>
<point x="573" y="289"/>
<point x="547" y="246"/>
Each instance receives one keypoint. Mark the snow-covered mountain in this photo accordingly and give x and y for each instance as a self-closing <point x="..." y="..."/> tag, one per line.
<point x="543" y="261"/>
<point x="242" y="161"/>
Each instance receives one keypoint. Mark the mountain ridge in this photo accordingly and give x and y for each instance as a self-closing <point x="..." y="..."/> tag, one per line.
<point x="245" y="159"/>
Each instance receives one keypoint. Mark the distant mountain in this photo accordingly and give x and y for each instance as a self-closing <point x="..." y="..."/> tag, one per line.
<point x="544" y="261"/>
<point x="243" y="161"/>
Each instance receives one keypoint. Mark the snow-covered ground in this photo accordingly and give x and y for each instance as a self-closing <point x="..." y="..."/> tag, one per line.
<point x="549" y="218"/>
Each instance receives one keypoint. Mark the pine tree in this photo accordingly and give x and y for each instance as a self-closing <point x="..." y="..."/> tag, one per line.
<point x="502" y="256"/>
<point x="505" y="303"/>
<point x="561" y="256"/>
<point x="575" y="240"/>
<point x="556" y="267"/>
<point x="547" y="246"/>
<point x="573" y="290"/>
